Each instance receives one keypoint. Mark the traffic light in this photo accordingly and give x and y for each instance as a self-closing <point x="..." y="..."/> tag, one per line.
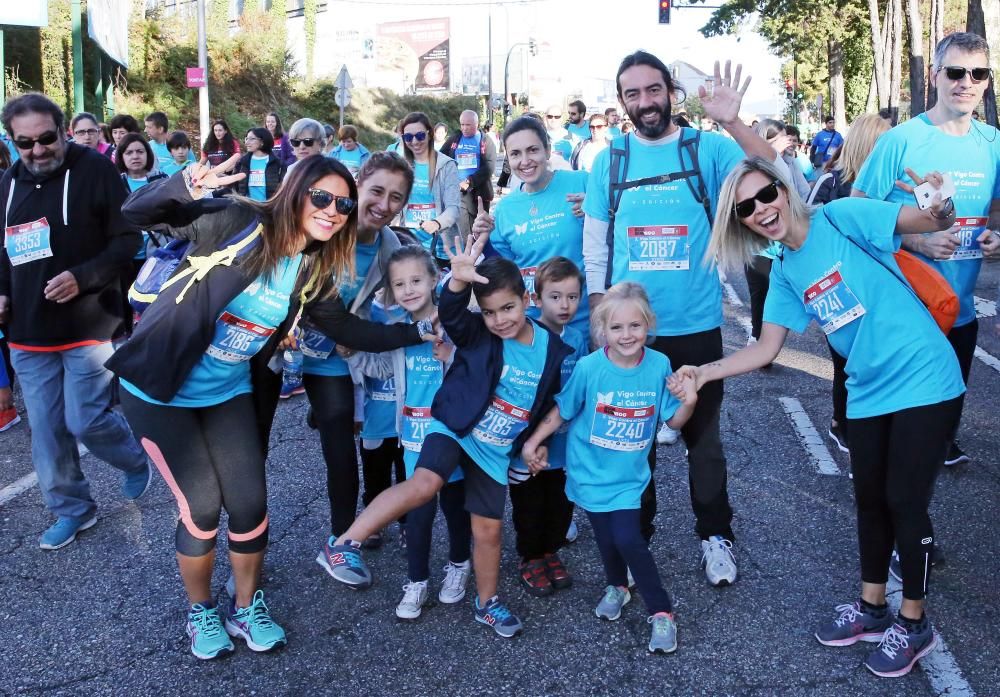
<point x="664" y="11"/>
<point x="789" y="92"/>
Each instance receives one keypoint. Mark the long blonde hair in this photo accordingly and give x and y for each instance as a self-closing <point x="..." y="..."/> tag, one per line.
<point x="618" y="295"/>
<point x="858" y="145"/>
<point x="733" y="244"/>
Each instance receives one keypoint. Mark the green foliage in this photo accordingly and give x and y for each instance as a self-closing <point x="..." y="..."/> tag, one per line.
<point x="309" y="8"/>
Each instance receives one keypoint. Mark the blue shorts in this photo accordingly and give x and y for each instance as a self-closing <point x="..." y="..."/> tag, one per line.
<point x="484" y="496"/>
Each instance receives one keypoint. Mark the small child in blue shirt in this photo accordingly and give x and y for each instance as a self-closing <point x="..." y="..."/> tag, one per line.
<point x="612" y="401"/>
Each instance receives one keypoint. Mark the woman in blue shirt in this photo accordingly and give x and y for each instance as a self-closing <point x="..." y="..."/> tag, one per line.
<point x="904" y="386"/>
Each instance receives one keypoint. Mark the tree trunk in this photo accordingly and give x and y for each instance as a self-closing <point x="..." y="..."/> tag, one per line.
<point x="916" y="28"/>
<point x="835" y="57"/>
<point x="936" y="34"/>
<point x="881" y="86"/>
<point x="897" y="57"/>
<point x="872" y="95"/>
<point x="976" y="24"/>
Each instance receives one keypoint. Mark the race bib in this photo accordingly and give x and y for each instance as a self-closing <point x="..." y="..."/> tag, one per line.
<point x="467" y="160"/>
<point x="417" y="213"/>
<point x="528" y="274"/>
<point x="623" y="428"/>
<point x="236" y="339"/>
<point x="315" y="344"/>
<point x="968" y="246"/>
<point x="256" y="177"/>
<point x="501" y="424"/>
<point x="658" y="248"/>
<point x="832" y="302"/>
<point x="415" y="423"/>
<point x="382" y="390"/>
<point x="28" y="242"/>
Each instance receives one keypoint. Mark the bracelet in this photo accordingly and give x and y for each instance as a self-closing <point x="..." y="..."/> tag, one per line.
<point x="438" y="223"/>
<point x="949" y="211"/>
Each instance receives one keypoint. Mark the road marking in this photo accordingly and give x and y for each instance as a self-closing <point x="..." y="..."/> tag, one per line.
<point x="811" y="440"/>
<point x="939" y="665"/>
<point x="733" y="298"/>
<point x="985" y="308"/>
<point x="988" y="359"/>
<point x="17" y="488"/>
<point x="746" y="324"/>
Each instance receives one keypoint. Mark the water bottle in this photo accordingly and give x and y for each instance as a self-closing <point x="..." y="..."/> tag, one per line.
<point x="291" y="379"/>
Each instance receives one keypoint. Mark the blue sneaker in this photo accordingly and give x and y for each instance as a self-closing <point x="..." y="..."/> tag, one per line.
<point x="254" y="625"/>
<point x="900" y="650"/>
<point x="854" y="624"/>
<point x="208" y="638"/>
<point x="498" y="616"/>
<point x="345" y="564"/>
<point x="614" y="599"/>
<point x="663" y="638"/>
<point x="137" y="483"/>
<point x="64" y="531"/>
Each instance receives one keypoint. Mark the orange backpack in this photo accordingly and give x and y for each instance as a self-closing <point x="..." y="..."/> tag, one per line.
<point x="931" y="287"/>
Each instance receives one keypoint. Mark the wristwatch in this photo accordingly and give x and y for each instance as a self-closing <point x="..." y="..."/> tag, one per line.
<point x="425" y="327"/>
<point x="949" y="210"/>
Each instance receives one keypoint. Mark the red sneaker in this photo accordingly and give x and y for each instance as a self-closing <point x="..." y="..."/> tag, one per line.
<point x="558" y="575"/>
<point x="8" y="418"/>
<point x="534" y="578"/>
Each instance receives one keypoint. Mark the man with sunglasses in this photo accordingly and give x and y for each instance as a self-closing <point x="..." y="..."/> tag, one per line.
<point x="476" y="157"/>
<point x="65" y="246"/>
<point x="946" y="139"/>
<point x="559" y="138"/>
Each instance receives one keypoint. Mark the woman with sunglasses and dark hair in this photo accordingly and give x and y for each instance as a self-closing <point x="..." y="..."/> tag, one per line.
<point x="904" y="385"/>
<point x="204" y="418"/>
<point x="263" y="170"/>
<point x="220" y="145"/>
<point x="432" y="210"/>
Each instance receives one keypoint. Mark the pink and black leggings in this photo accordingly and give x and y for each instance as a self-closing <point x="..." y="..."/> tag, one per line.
<point x="211" y="458"/>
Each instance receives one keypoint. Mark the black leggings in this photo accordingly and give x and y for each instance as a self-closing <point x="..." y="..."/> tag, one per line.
<point x="378" y="466"/>
<point x="541" y="513"/>
<point x="211" y="458"/>
<point x="420" y="525"/>
<point x="332" y="400"/>
<point x="758" y="275"/>
<point x="839" y="393"/>
<point x="963" y="341"/>
<point x="895" y="459"/>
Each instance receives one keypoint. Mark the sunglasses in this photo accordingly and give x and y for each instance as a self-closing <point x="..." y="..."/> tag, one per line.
<point x="597" y="128"/>
<point x="553" y="116"/>
<point x="47" y="138"/>
<point x="322" y="200"/>
<point x="957" y="72"/>
<point x="419" y="137"/>
<point x="744" y="209"/>
<point x="296" y="142"/>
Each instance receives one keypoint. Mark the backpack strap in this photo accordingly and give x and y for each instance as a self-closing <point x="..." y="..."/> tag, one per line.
<point x="618" y="170"/>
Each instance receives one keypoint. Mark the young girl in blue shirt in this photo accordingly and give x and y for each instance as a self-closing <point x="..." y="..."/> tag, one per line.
<point x="613" y="401"/>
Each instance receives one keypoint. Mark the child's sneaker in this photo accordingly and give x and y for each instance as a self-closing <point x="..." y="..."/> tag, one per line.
<point x="534" y="579"/>
<point x="610" y="607"/>
<point x="254" y="625"/>
<point x="498" y="616"/>
<point x="345" y="564"/>
<point x="8" y="419"/>
<point x="667" y="435"/>
<point x="558" y="575"/>
<point x="664" y="636"/>
<point x="456" y="580"/>
<point x="901" y="647"/>
<point x="414" y="599"/>
<point x="854" y="624"/>
<point x="208" y="638"/>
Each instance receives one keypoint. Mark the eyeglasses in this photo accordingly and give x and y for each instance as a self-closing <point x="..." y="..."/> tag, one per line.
<point x="84" y="132"/>
<point x="553" y="116"/>
<point x="322" y="200"/>
<point x="598" y="127"/>
<point x="957" y="72"/>
<point x="249" y="138"/>
<point x="47" y="138"/>
<point x="296" y="142"/>
<point x="744" y="209"/>
<point x="419" y="137"/>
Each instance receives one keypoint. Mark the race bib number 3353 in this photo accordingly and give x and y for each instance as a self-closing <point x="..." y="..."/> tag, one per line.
<point x="623" y="428"/>
<point x="658" y="248"/>
<point x="28" y="242"/>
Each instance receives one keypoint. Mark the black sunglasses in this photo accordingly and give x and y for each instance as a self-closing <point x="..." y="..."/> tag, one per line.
<point x="419" y="137"/>
<point x="322" y="200"/>
<point x="47" y="138"/>
<point x="745" y="208"/>
<point x="957" y="72"/>
<point x="296" y="142"/>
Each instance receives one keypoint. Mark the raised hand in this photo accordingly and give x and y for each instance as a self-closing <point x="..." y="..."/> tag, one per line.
<point x="484" y="222"/>
<point x="722" y="104"/>
<point x="443" y="350"/>
<point x="204" y="176"/>
<point x="463" y="261"/>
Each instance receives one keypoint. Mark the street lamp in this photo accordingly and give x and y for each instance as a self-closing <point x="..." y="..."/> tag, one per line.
<point x="533" y="50"/>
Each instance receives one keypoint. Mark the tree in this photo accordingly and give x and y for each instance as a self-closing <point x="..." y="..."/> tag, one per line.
<point x="976" y="23"/>
<point x="915" y="26"/>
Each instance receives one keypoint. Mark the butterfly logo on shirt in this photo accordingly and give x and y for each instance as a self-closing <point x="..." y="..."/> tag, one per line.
<point x="504" y="371"/>
<point x="410" y="362"/>
<point x="605" y="397"/>
<point x="253" y="288"/>
<point x="520" y="229"/>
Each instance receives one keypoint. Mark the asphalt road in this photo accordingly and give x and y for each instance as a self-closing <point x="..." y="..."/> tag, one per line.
<point x="105" y="615"/>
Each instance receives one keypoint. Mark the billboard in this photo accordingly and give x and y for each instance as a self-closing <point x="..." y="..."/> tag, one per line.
<point x="25" y="13"/>
<point x="475" y="75"/>
<point x="414" y="54"/>
<point x="107" y="25"/>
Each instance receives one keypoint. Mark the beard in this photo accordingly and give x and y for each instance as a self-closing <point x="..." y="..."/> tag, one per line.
<point x="47" y="166"/>
<point x="657" y="130"/>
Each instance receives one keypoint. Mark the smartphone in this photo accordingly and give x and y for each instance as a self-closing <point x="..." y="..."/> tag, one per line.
<point x="924" y="194"/>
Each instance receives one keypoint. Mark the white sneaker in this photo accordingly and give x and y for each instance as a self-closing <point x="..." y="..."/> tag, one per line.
<point x="456" y="578"/>
<point x="414" y="599"/>
<point x="667" y="435"/>
<point x="572" y="532"/>
<point x="718" y="560"/>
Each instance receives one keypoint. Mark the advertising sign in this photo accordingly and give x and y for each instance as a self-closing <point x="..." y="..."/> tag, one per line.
<point x="415" y="53"/>
<point x="25" y="13"/>
<point x="107" y="24"/>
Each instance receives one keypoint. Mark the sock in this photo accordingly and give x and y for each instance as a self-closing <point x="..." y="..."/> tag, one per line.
<point x="877" y="610"/>
<point x="913" y="625"/>
<point x="460" y="564"/>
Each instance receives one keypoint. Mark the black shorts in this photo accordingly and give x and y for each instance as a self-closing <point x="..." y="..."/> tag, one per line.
<point x="484" y="496"/>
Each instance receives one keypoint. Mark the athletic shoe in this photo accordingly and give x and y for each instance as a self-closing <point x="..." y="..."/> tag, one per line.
<point x="64" y="531"/>
<point x="666" y="435"/>
<point x="838" y="434"/>
<point x="900" y="649"/>
<point x="718" y="560"/>
<point x="208" y="638"/>
<point x="534" y="579"/>
<point x="8" y="419"/>
<point x="572" y="532"/>
<point x="345" y="564"/>
<point x="254" y="625"/>
<point x="288" y="390"/>
<point x="456" y="580"/>
<point x="136" y="484"/>
<point x="498" y="616"/>
<point x="373" y="542"/>
<point x="558" y="575"/>
<point x="664" y="636"/>
<point x="955" y="456"/>
<point x="610" y="607"/>
<point x="854" y="624"/>
<point x="414" y="599"/>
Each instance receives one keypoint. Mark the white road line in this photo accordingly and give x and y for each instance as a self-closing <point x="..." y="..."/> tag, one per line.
<point x="988" y="359"/>
<point x="811" y="439"/>
<point x="731" y="295"/>
<point x="985" y="308"/>
<point x="17" y="488"/>
<point x="746" y="324"/>
<point x="939" y="665"/>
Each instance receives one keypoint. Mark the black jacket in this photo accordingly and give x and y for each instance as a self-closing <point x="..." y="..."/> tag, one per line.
<point x="181" y="332"/>
<point x="465" y="395"/>
<point x="482" y="178"/>
<point x="274" y="172"/>
<point x="81" y="201"/>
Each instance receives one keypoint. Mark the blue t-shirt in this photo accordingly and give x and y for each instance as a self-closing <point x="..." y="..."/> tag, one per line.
<point x="581" y="130"/>
<point x="662" y="232"/>
<point x="424" y="375"/>
<point x="613" y="132"/>
<point x="613" y="413"/>
<point x="380" y="395"/>
<point x="467" y="155"/>
<point x="490" y="442"/>
<point x="135" y="185"/>
<point x="531" y="228"/>
<point x="319" y="355"/>
<point x="255" y="182"/>
<point x="350" y="159"/>
<point x="420" y="207"/>
<point x="897" y="358"/>
<point x="971" y="160"/>
<point x="826" y="143"/>
<point x="241" y="331"/>
<point x="165" y="161"/>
